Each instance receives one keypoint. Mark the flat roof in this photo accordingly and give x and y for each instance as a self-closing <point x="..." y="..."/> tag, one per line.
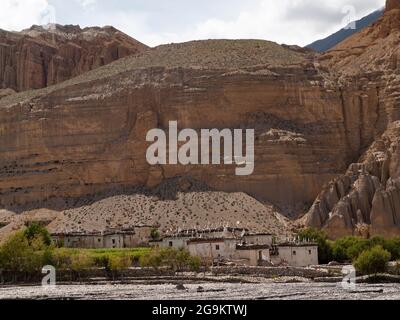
<point x="259" y="234"/>
<point x="178" y="237"/>
<point x="92" y="234"/>
<point x="145" y="226"/>
<point x="311" y="244"/>
<point x="155" y="241"/>
<point x="210" y="240"/>
<point x="222" y="229"/>
<point x="252" y="247"/>
<point x="205" y="231"/>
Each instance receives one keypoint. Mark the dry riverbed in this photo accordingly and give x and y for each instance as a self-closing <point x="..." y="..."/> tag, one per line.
<point x="205" y="291"/>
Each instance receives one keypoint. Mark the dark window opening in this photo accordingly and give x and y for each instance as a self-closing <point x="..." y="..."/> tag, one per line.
<point x="171" y="244"/>
<point x="217" y="247"/>
<point x="294" y="253"/>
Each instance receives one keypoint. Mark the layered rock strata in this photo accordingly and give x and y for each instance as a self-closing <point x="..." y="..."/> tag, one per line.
<point x="327" y="123"/>
<point x="43" y="56"/>
<point x="89" y="134"/>
<point x="365" y="201"/>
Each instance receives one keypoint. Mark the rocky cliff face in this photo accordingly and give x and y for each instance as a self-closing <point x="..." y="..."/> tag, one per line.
<point x="365" y="201"/>
<point x="316" y="118"/>
<point x="40" y="57"/>
<point x="88" y="134"/>
<point x="392" y="4"/>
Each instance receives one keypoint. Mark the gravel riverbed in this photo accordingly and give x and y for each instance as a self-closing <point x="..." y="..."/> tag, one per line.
<point x="210" y="291"/>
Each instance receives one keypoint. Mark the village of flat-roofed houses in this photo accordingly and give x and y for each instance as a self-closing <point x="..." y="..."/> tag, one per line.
<point x="215" y="246"/>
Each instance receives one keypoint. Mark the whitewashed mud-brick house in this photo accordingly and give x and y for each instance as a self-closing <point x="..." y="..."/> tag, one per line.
<point x="242" y="247"/>
<point x="254" y="255"/>
<point x="212" y="249"/>
<point x="296" y="254"/>
<point x="111" y="238"/>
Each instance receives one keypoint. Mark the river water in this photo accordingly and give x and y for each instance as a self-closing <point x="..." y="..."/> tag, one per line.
<point x="211" y="291"/>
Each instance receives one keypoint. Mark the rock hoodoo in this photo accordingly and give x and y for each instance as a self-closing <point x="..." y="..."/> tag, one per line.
<point x="366" y="199"/>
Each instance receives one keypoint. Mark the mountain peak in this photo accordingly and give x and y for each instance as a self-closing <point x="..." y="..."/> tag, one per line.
<point x="392" y="4"/>
<point x="54" y="53"/>
<point x="334" y="39"/>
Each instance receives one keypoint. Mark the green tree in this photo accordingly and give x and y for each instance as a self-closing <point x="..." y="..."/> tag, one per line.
<point x="17" y="254"/>
<point x="35" y="230"/>
<point x="349" y="248"/>
<point x="358" y="247"/>
<point x="155" y="234"/>
<point x="393" y="246"/>
<point x="324" y="245"/>
<point x="377" y="241"/>
<point x="373" y="261"/>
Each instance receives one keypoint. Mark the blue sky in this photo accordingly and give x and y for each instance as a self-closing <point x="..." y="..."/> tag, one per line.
<point x="157" y="22"/>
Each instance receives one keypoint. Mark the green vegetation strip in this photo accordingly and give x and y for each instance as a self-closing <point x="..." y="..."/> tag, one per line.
<point x="28" y="251"/>
<point x="369" y="256"/>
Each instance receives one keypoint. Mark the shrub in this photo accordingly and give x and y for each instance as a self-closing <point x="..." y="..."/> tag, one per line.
<point x="102" y="261"/>
<point x="397" y="267"/>
<point x="81" y="261"/>
<point x="373" y="261"/>
<point x="119" y="263"/>
<point x="194" y="263"/>
<point x="152" y="259"/>
<point x="61" y="258"/>
<point x="171" y="258"/>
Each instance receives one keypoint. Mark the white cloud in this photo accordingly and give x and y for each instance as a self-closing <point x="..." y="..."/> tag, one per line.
<point x="20" y="14"/>
<point x="87" y="3"/>
<point x="152" y="22"/>
<point x="285" y="21"/>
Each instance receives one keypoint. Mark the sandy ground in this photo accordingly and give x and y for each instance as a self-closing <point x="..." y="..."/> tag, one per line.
<point x="213" y="291"/>
<point x="188" y="210"/>
<point x="167" y="207"/>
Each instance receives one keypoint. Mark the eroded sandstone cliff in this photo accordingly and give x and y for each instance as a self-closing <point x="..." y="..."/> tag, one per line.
<point x="365" y="201"/>
<point x="314" y="116"/>
<point x="39" y="57"/>
<point x="88" y="134"/>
